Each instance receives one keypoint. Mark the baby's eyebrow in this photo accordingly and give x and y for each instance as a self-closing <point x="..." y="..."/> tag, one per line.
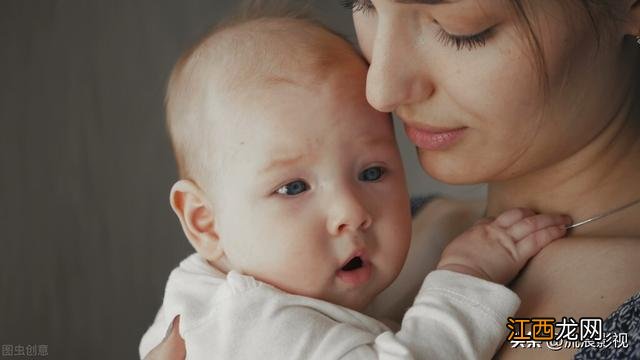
<point x="281" y="162"/>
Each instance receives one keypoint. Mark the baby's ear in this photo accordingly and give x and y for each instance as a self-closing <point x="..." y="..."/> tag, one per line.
<point x="191" y="206"/>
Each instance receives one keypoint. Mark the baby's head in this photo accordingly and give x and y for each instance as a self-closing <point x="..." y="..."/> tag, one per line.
<point x="288" y="175"/>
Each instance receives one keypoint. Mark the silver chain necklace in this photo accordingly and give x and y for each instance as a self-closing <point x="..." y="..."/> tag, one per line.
<point x="603" y="215"/>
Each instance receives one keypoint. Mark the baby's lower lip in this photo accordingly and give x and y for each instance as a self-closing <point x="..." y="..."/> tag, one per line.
<point x="356" y="277"/>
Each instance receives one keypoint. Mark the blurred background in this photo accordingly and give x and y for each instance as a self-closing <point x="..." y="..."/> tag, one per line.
<point x="88" y="238"/>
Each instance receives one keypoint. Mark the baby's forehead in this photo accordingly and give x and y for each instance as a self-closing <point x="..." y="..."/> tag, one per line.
<point x="243" y="64"/>
<point x="289" y="114"/>
<point x="269" y="52"/>
<point x="273" y="61"/>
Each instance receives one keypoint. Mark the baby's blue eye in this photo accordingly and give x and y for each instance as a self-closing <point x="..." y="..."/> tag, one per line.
<point x="373" y="173"/>
<point x="293" y="188"/>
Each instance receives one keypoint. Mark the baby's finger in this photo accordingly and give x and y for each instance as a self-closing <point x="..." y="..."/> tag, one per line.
<point x="531" y="224"/>
<point x="533" y="243"/>
<point x="485" y="220"/>
<point x="510" y="217"/>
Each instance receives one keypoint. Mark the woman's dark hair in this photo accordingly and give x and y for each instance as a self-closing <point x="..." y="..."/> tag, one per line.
<point x="601" y="14"/>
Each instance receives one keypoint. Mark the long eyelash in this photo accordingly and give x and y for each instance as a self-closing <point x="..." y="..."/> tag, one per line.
<point x="358" y="5"/>
<point x="460" y="42"/>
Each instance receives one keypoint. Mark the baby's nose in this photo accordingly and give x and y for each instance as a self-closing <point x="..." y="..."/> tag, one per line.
<point x="348" y="213"/>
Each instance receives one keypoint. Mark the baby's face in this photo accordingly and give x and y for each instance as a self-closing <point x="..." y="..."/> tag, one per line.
<point x="312" y="196"/>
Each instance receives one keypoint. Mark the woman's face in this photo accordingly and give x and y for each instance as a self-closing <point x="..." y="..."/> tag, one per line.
<point x="462" y="76"/>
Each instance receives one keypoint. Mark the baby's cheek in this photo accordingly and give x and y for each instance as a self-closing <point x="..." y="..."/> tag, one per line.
<point x="392" y="255"/>
<point x="301" y="280"/>
<point x="298" y="262"/>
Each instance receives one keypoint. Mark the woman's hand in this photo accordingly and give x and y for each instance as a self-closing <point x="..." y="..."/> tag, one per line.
<point x="172" y="347"/>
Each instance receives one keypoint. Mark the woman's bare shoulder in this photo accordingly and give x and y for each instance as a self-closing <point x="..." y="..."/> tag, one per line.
<point x="580" y="277"/>
<point x="576" y="277"/>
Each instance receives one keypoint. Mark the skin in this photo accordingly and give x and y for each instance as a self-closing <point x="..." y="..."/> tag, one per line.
<point x="272" y="143"/>
<point x="570" y="149"/>
<point x="535" y="149"/>
<point x="324" y="140"/>
<point x="299" y="241"/>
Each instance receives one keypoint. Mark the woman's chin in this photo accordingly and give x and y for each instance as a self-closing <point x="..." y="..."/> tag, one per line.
<point x="451" y="170"/>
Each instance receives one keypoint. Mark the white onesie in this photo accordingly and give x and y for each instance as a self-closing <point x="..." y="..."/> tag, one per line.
<point x="235" y="317"/>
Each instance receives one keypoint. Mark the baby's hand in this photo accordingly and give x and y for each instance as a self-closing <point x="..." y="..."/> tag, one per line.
<point x="496" y="250"/>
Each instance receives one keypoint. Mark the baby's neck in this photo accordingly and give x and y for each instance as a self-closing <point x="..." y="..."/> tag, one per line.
<point x="220" y="265"/>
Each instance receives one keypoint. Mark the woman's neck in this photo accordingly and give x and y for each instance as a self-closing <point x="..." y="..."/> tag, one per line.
<point x="602" y="176"/>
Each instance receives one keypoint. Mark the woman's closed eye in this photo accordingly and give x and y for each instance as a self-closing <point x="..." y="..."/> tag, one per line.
<point x="358" y="5"/>
<point x="293" y="188"/>
<point x="459" y="42"/>
<point x="468" y="42"/>
<point x="372" y="174"/>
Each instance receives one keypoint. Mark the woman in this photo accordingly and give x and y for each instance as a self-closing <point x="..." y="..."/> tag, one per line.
<point x="537" y="99"/>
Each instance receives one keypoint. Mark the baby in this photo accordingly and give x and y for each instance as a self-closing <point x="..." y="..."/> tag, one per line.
<point x="294" y="198"/>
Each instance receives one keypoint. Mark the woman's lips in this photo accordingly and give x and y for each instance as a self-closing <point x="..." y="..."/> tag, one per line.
<point x="433" y="139"/>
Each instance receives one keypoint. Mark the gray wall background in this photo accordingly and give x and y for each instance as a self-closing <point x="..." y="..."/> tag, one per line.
<point x="88" y="238"/>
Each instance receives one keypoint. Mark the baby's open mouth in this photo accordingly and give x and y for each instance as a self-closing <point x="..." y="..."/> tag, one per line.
<point x="357" y="271"/>
<point x="353" y="264"/>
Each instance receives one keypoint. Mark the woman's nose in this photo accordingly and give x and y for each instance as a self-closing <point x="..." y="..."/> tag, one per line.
<point x="398" y="72"/>
<point x="347" y="213"/>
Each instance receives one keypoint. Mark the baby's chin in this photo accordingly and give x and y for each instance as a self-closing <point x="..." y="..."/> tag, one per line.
<point x="361" y="298"/>
<point x="358" y="300"/>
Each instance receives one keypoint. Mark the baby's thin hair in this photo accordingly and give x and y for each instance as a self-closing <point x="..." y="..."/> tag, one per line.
<point x="186" y="89"/>
<point x="249" y="10"/>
